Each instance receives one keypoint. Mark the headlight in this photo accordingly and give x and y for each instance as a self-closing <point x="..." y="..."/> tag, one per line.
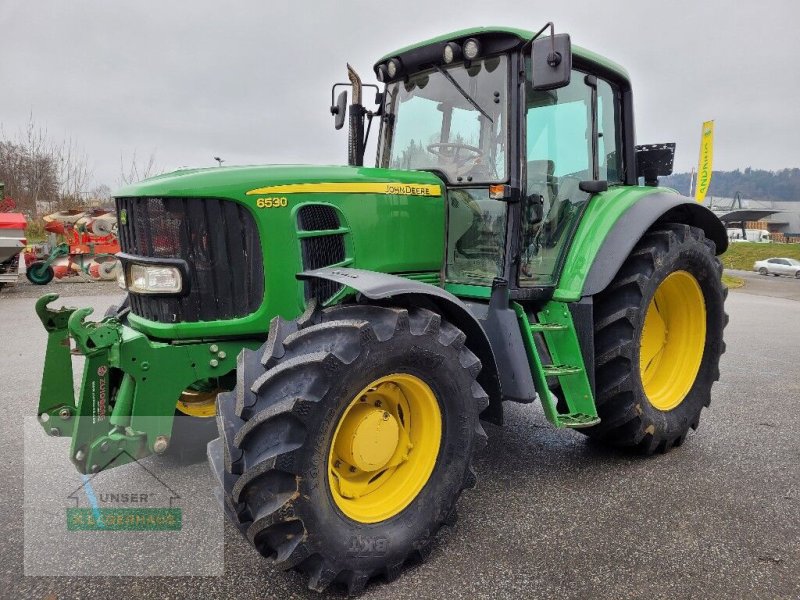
<point x="155" y="279"/>
<point x="121" y="282"/>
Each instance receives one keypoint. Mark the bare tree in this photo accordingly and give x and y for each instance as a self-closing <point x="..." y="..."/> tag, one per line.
<point x="138" y="169"/>
<point x="41" y="174"/>
<point x="28" y="167"/>
<point x="101" y="193"/>
<point x="73" y="172"/>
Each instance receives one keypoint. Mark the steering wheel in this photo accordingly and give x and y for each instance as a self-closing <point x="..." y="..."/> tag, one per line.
<point x="452" y="150"/>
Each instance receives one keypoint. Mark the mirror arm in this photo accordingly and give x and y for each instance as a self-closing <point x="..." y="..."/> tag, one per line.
<point x="370" y="114"/>
<point x="554" y="58"/>
<point x="591" y="81"/>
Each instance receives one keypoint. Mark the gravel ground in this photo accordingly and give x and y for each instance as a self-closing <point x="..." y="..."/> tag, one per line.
<point x="71" y="286"/>
<point x="553" y="516"/>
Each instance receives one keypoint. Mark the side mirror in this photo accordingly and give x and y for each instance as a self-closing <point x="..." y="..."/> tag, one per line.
<point x="551" y="58"/>
<point x="339" y="110"/>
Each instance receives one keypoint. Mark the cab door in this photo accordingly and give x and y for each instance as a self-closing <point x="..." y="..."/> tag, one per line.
<point x="573" y="134"/>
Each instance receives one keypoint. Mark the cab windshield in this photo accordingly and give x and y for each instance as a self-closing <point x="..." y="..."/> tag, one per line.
<point x="453" y="120"/>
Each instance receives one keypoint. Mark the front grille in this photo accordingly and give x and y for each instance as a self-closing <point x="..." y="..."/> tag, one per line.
<point x="317" y="217"/>
<point x="219" y="241"/>
<point x="320" y="250"/>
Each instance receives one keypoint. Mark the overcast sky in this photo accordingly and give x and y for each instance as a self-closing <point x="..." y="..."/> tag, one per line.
<point x="250" y="80"/>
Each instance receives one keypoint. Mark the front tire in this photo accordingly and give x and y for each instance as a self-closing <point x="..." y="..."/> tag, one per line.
<point x="302" y="459"/>
<point x="763" y="271"/>
<point x="658" y="340"/>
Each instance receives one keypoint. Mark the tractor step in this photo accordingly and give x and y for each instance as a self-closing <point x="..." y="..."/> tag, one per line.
<point x="542" y="327"/>
<point x="559" y="370"/>
<point x="554" y="324"/>
<point x="577" y="420"/>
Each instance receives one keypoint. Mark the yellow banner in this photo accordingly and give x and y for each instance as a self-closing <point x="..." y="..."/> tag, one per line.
<point x="704" y="164"/>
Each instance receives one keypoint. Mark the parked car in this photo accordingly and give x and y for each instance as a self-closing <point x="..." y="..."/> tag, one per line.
<point x="778" y="266"/>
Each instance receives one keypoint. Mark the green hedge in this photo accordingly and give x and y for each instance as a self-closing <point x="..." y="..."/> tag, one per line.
<point x="742" y="255"/>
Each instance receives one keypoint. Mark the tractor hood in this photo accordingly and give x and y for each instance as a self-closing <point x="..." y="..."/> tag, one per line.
<point x="299" y="218"/>
<point x="246" y="183"/>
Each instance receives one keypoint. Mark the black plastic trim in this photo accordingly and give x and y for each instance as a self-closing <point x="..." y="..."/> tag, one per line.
<point x="583" y="318"/>
<point x="418" y="59"/>
<point x="382" y="286"/>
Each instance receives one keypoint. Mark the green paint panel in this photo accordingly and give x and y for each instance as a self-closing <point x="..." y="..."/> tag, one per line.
<point x="602" y="213"/>
<point x="555" y="324"/>
<point x="389" y="233"/>
<point x="114" y="426"/>
<point x="433" y="277"/>
<point x="57" y="405"/>
<point x="464" y="290"/>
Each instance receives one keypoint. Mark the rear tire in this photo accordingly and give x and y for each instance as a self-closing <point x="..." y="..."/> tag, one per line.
<point x="629" y="417"/>
<point x="280" y="425"/>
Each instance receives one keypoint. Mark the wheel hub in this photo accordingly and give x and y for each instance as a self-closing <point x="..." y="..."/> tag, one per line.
<point x="384" y="448"/>
<point x="672" y="340"/>
<point x="198" y="403"/>
<point x="368" y="437"/>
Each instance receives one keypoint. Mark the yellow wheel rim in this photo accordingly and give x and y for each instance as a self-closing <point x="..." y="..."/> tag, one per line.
<point x="384" y="448"/>
<point x="198" y="404"/>
<point x="673" y="338"/>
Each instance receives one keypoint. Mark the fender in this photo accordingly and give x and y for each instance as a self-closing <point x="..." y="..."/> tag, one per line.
<point x="602" y="244"/>
<point x="380" y="286"/>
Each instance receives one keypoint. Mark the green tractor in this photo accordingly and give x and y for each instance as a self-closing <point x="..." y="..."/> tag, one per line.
<point x="347" y="328"/>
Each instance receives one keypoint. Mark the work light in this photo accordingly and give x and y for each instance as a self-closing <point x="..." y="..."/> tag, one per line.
<point x="472" y="48"/>
<point x="452" y="51"/>
<point x="392" y="67"/>
<point x="381" y="73"/>
<point x="154" y="279"/>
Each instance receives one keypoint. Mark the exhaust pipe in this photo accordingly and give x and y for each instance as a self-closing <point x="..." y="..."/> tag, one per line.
<point x="355" y="146"/>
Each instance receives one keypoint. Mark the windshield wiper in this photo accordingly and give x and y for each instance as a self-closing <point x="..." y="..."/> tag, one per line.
<point x="463" y="92"/>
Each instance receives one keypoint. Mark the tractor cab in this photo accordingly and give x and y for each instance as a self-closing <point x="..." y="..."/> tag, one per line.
<point x="522" y="129"/>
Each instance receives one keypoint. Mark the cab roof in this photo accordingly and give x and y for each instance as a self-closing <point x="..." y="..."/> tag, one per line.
<point x="522" y="35"/>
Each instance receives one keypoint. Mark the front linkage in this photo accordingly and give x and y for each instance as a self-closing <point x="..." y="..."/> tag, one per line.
<point x="130" y="385"/>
